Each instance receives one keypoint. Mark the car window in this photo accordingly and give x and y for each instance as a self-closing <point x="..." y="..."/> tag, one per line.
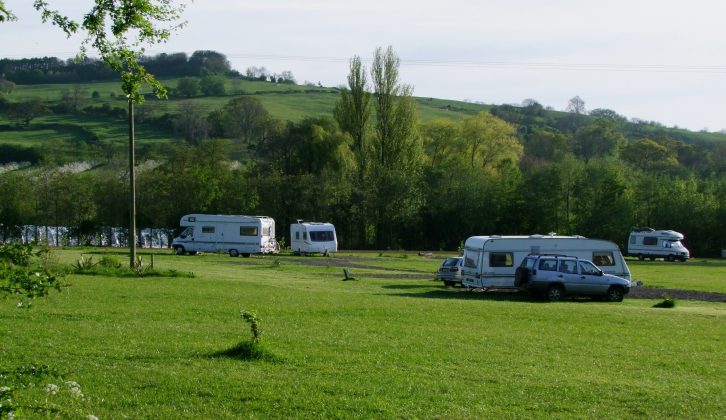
<point x="548" y="265"/>
<point x="586" y="267"/>
<point x="528" y="262"/>
<point x="568" y="266"/>
<point x="450" y="262"/>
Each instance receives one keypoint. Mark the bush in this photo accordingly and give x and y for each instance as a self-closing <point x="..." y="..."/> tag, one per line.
<point x="668" y="302"/>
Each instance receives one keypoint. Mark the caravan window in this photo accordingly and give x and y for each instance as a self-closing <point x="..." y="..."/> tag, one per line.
<point x="248" y="231"/>
<point x="207" y="229"/>
<point x="650" y="240"/>
<point x="305" y="235"/>
<point x="297" y="235"/>
<point x="322" y="236"/>
<point x="603" y="258"/>
<point x="501" y="259"/>
<point x="267" y="231"/>
<point x="471" y="258"/>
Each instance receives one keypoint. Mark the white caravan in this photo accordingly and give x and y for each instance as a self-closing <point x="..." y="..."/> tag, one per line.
<point x="647" y="242"/>
<point x="233" y="234"/>
<point x="311" y="237"/>
<point x="490" y="262"/>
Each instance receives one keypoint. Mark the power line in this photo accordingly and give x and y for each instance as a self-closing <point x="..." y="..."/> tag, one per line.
<point x="474" y="64"/>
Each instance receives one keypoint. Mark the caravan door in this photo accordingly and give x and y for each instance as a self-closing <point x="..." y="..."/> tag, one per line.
<point x="500" y="272"/>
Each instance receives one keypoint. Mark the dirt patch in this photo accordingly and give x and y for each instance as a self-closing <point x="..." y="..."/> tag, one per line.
<point x="645" y="292"/>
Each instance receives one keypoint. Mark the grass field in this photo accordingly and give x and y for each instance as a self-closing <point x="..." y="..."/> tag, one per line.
<point x="372" y="347"/>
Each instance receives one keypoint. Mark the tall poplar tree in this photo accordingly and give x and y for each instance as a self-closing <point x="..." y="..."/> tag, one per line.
<point x="397" y="151"/>
<point x="352" y="112"/>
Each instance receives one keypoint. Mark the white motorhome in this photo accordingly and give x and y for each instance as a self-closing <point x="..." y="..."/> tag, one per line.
<point x="490" y="262"/>
<point x="311" y="237"/>
<point x="234" y="234"/>
<point x="645" y="242"/>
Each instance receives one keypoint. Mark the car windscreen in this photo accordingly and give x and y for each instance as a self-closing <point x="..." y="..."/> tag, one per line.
<point x="450" y="262"/>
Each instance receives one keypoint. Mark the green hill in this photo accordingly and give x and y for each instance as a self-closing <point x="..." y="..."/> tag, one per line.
<point x="67" y="136"/>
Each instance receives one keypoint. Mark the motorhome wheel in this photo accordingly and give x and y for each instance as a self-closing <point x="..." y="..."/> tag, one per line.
<point x="179" y="250"/>
<point x="245" y="255"/>
<point x="671" y="258"/>
<point x="233" y="253"/>
<point x="640" y="257"/>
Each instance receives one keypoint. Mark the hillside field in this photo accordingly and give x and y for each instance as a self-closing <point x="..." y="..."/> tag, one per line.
<point x="60" y="135"/>
<point x="391" y="343"/>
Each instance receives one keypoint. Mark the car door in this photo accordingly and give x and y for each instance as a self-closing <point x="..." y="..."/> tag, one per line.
<point x="592" y="281"/>
<point x="568" y="274"/>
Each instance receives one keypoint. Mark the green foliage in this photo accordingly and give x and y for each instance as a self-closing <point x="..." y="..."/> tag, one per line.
<point x="251" y="317"/>
<point x="667" y="302"/>
<point x="19" y="279"/>
<point x="41" y="390"/>
<point x="117" y="31"/>
<point x="83" y="263"/>
<point x="212" y="85"/>
<point x="109" y="261"/>
<point x="188" y="86"/>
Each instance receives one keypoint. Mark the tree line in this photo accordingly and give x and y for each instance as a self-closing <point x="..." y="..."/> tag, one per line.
<point x="43" y="70"/>
<point x="386" y="180"/>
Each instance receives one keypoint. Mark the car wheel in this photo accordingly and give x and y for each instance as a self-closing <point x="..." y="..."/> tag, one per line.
<point x="233" y="253"/>
<point x="640" y="257"/>
<point x="555" y="293"/>
<point x="615" y="294"/>
<point x="179" y="250"/>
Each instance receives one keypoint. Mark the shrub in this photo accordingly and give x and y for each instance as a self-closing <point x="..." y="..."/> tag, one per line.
<point x="668" y="302"/>
<point x="109" y="261"/>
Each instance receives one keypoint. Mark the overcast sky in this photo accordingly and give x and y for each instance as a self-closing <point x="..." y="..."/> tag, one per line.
<point x="656" y="60"/>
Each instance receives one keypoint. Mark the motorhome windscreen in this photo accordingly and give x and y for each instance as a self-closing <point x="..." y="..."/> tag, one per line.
<point x="322" y="236"/>
<point x="471" y="258"/>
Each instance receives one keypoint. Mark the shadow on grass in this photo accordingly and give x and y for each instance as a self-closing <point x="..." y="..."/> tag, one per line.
<point x="463" y="294"/>
<point x="248" y="351"/>
<point x="408" y="286"/>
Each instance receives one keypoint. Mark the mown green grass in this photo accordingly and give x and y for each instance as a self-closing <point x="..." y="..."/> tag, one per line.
<point x="372" y="347"/>
<point x="703" y="275"/>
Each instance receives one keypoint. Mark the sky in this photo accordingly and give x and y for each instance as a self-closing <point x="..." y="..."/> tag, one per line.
<point x="662" y="61"/>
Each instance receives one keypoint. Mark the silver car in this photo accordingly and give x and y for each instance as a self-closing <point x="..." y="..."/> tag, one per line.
<point x="558" y="276"/>
<point x="450" y="271"/>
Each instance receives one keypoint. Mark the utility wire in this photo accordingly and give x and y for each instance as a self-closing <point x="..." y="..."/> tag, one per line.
<point x="475" y="64"/>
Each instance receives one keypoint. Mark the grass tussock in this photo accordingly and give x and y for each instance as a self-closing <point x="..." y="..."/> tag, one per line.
<point x="667" y="302"/>
<point x="248" y="350"/>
